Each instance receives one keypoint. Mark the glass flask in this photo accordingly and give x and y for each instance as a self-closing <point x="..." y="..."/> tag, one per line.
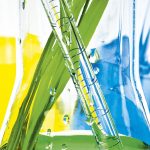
<point x="115" y="60"/>
<point x="34" y="30"/>
<point x="112" y="62"/>
<point x="10" y="61"/>
<point x="144" y="48"/>
<point x="32" y="35"/>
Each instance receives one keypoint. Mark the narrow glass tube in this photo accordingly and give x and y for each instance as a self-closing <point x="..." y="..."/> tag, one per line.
<point x="85" y="81"/>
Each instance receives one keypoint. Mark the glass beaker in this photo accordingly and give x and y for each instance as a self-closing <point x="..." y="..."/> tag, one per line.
<point x="118" y="68"/>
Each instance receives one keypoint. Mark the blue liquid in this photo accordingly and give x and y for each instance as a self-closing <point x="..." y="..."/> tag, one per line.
<point x="114" y="78"/>
<point x="145" y="65"/>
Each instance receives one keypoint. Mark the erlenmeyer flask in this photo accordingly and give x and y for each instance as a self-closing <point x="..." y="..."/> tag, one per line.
<point x="32" y="38"/>
<point x="117" y="69"/>
<point x="9" y="57"/>
<point x="144" y="48"/>
<point x="34" y="32"/>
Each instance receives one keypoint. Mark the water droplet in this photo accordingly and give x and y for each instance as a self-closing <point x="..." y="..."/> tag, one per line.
<point x="23" y="5"/>
<point x="64" y="147"/>
<point x="52" y="91"/>
<point x="114" y="89"/>
<point x="118" y="60"/>
<point x="89" y="121"/>
<point x="111" y="88"/>
<point x="66" y="119"/>
<point x="36" y="79"/>
<point x="91" y="104"/>
<point x="49" y="147"/>
<point x="96" y="70"/>
<point x="48" y="132"/>
<point x="67" y="40"/>
<point x="91" y="100"/>
<point x="94" y="56"/>
<point x="20" y="41"/>
<point x="45" y="113"/>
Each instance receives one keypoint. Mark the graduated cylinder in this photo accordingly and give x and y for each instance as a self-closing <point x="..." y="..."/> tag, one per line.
<point x="80" y="69"/>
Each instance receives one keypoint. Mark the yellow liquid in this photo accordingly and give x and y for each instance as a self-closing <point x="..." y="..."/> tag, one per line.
<point x="32" y="51"/>
<point x="7" y="72"/>
<point x="31" y="54"/>
<point x="54" y="118"/>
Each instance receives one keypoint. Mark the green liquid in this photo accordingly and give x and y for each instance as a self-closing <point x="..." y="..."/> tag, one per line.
<point x="83" y="142"/>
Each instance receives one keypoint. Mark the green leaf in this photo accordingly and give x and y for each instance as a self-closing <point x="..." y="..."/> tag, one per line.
<point x="52" y="73"/>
